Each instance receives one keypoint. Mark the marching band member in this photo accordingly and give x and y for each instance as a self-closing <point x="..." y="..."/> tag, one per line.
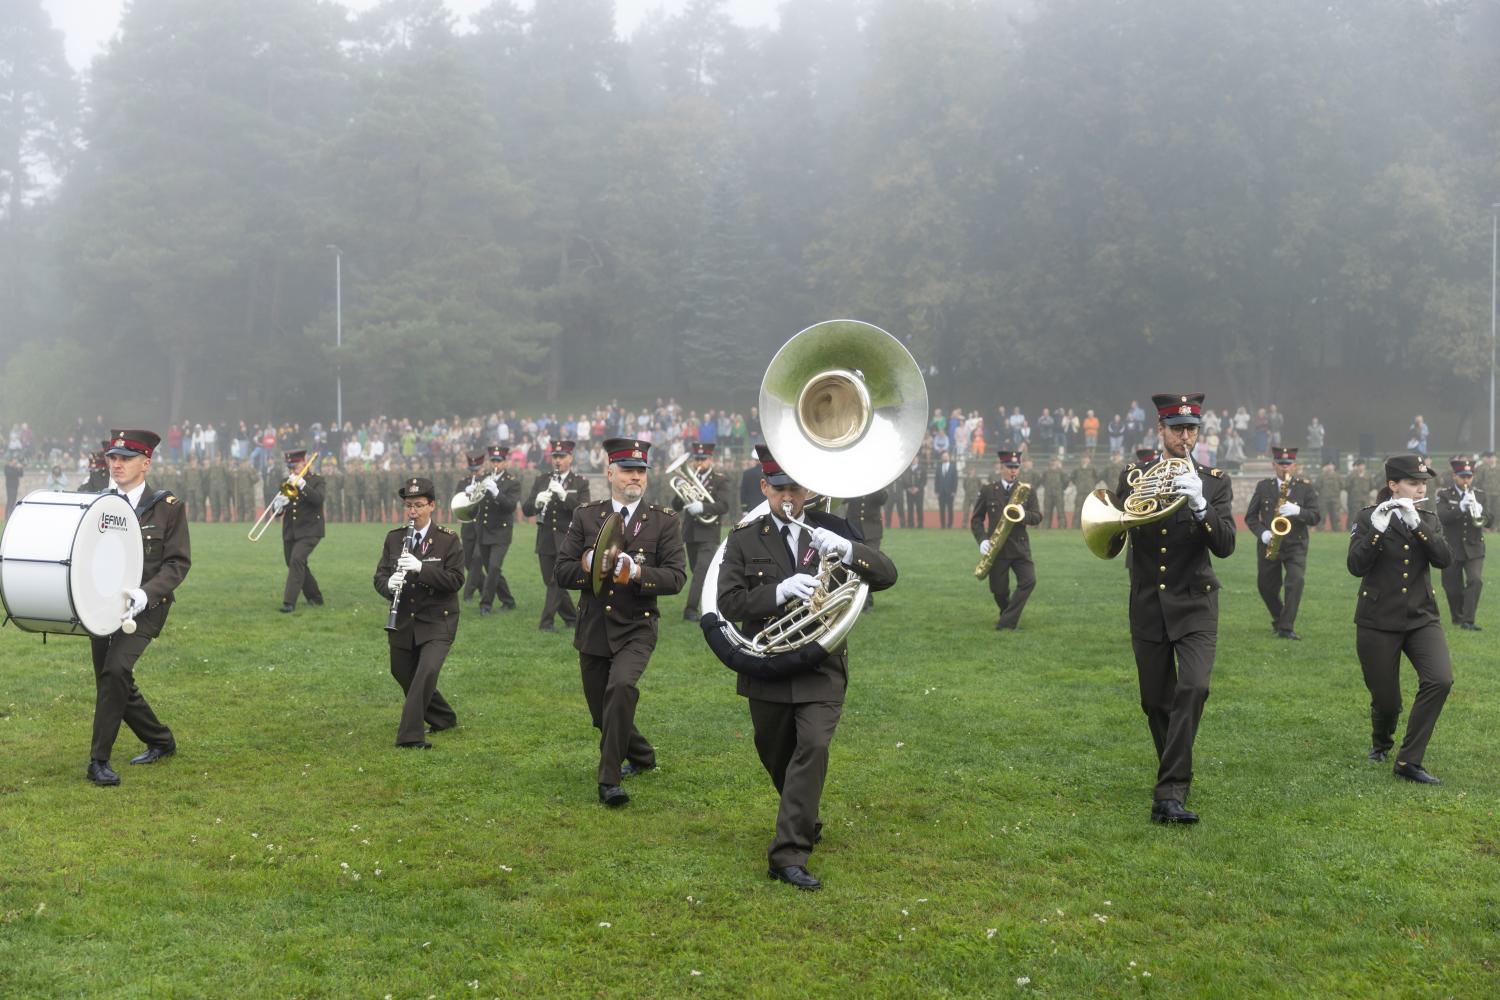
<point x="1461" y="508"/>
<point x="1391" y="547"/>
<point x="164" y="537"/>
<point x="617" y="628"/>
<point x="468" y="531"/>
<point x="1015" y="557"/>
<point x="301" y="531"/>
<point x="1283" y="495"/>
<point x="1174" y="605"/>
<point x="768" y="564"/>
<point x="702" y="540"/>
<point x="555" y="495"/>
<point x="496" y="523"/>
<point x="425" y="577"/>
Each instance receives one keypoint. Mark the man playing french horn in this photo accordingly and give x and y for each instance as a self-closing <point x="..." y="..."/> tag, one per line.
<point x="990" y="513"/>
<point x="700" y="525"/>
<point x="1174" y="602"/>
<point x="1281" y="511"/>
<point x="769" y="567"/>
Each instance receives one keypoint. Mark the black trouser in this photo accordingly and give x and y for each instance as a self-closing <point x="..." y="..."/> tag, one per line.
<point x="117" y="699"/>
<point x="1173" y="678"/>
<point x="559" y="602"/>
<point x="699" y="556"/>
<point x="493" y="557"/>
<point x="1011" y="604"/>
<point x="299" y="578"/>
<point x="1462" y="583"/>
<point x="415" y="667"/>
<point x="914" y="509"/>
<point x="610" y="688"/>
<point x="945" y="510"/>
<point x="1269" y="580"/>
<point x="1380" y="659"/>
<point x="473" y="564"/>
<point x="792" y="740"/>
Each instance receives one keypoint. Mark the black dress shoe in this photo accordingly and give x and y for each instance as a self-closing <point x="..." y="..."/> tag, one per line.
<point x="613" y="796"/>
<point x="1377" y="755"/>
<point x="546" y="628"/>
<point x="628" y="768"/>
<point x="415" y="745"/>
<point x="154" y="754"/>
<point x="796" y="875"/>
<point x="287" y="609"/>
<point x="570" y="622"/>
<point x="100" y="773"/>
<point x="1287" y="633"/>
<point x="440" y="729"/>
<point x="484" y="611"/>
<point x="1171" y="811"/>
<point x="1414" y="772"/>
<point x="316" y="602"/>
<point x="508" y="607"/>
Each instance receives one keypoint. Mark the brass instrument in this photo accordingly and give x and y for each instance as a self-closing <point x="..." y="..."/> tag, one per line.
<point x="686" y="484"/>
<point x="1280" y="526"/>
<point x="1151" y="499"/>
<point x="286" y="489"/>
<point x="465" y="503"/>
<point x="843" y="408"/>
<point x="1012" y="514"/>
<point x="1477" y="519"/>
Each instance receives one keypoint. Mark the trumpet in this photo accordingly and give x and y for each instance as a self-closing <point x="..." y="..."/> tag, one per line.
<point x="1012" y="514"/>
<point x="686" y="484"/>
<point x="1152" y="498"/>
<point x="286" y="489"/>
<point x="1281" y="526"/>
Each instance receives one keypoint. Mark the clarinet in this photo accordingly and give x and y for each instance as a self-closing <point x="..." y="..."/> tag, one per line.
<point x="411" y="533"/>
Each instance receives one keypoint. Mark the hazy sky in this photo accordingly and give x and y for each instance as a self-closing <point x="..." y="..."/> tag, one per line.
<point x="88" y="24"/>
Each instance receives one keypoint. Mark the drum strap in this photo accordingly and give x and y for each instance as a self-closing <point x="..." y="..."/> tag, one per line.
<point x="147" y="504"/>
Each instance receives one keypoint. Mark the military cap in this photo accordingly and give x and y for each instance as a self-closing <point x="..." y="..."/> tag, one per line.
<point x="703" y="449"/>
<point x="561" y="448"/>
<point x="1399" y="467"/>
<point x="498" y="453"/>
<point x="1009" y="458"/>
<point x="1176" y="409"/>
<point x="132" y="442"/>
<point x="1146" y="456"/>
<point x="1461" y="466"/>
<point x="476" y="461"/>
<point x="417" y="486"/>
<point x="1283" y="456"/>
<point x="770" y="469"/>
<point x="627" y="453"/>
<point x="296" y="456"/>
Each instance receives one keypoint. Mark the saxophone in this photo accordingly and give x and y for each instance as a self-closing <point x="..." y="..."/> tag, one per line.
<point x="1280" y="526"/>
<point x="1013" y="514"/>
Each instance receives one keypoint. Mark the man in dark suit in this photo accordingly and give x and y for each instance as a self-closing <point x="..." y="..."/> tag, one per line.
<point x="1174" y="604"/>
<point x="1462" y="508"/>
<point x="496" y="524"/>
<point x="770" y="565"/>
<point x="1283" y="495"/>
<point x="301" y="531"/>
<point x="422" y="569"/>
<point x="1015" y="555"/>
<point x="164" y="538"/>
<point x="749" y="485"/>
<point x="913" y="492"/>
<point x="617" y="627"/>
<point x="702" y="540"/>
<point x="867" y="515"/>
<point x="554" y="496"/>
<point x="945" y="483"/>
<point x="468" y="531"/>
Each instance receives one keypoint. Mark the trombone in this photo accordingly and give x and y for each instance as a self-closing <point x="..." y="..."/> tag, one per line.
<point x="286" y="489"/>
<point x="686" y="484"/>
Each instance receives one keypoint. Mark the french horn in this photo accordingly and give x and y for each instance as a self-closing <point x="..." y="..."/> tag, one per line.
<point x="1152" y="498"/>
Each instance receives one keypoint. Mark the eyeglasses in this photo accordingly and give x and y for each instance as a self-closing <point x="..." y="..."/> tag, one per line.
<point x="418" y="505"/>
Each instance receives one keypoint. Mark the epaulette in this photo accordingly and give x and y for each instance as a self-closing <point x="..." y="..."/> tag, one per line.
<point x="747" y="524"/>
<point x="664" y="510"/>
<point x="1216" y="472"/>
<point x="446" y="531"/>
<point x="170" y="498"/>
<point x="593" y="503"/>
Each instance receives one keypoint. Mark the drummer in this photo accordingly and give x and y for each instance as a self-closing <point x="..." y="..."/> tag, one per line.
<point x="164" y="536"/>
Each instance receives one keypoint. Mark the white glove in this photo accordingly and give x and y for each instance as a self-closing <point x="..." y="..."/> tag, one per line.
<point x="831" y="543"/>
<point x="1289" y="509"/>
<point x="1191" y="486"/>
<point x="542" y="498"/>
<point x="984" y="548"/>
<point x="396" y="582"/>
<point x="1476" y="509"/>
<point x="137" y="601"/>
<point x="492" y="488"/>
<point x="558" y="488"/>
<point x="279" y="502"/>
<point x="1380" y="517"/>
<point x="695" y="508"/>
<point x="1265" y="537"/>
<point x="799" y="587"/>
<point x="1466" y="500"/>
<point x="409" y="563"/>
<point x="624" y="565"/>
<point x="299" y="482"/>
<point x="1406" y="509"/>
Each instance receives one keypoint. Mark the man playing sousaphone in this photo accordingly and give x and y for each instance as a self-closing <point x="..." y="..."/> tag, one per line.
<point x="1174" y="603"/>
<point x="770" y="564"/>
<point x="1015" y="554"/>
<point x="1281" y="511"/>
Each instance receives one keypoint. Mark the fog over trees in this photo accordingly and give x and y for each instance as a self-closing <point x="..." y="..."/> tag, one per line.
<point x="1080" y="200"/>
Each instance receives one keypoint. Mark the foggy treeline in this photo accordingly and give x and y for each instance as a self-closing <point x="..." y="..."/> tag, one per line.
<point x="1054" y="200"/>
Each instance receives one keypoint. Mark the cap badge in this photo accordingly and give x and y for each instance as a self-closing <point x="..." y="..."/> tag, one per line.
<point x="1185" y="410"/>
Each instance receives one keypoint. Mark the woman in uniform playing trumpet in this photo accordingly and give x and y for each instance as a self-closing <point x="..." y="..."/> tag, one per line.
<point x="1392" y="547"/>
<point x="990" y="512"/>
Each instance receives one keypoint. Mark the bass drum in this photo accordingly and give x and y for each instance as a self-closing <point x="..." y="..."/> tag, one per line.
<point x="66" y="561"/>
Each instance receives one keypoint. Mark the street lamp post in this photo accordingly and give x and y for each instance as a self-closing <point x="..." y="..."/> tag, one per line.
<point x="1494" y="252"/>
<point x="338" y="340"/>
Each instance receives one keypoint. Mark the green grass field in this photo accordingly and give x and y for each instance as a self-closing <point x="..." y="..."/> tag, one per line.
<point x="986" y="813"/>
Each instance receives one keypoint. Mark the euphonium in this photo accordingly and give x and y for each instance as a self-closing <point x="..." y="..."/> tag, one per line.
<point x="1152" y="498"/>
<point x="1012" y="514"/>
<point x="1280" y="526"/>
<point x="686" y="484"/>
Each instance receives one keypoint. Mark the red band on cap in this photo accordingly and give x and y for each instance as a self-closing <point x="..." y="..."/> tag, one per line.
<point x="771" y="467"/>
<point x="132" y="444"/>
<point x="635" y="453"/>
<point x="1179" y="410"/>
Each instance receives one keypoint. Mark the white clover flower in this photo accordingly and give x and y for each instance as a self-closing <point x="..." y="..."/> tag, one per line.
<point x="1023" y="980"/>
<point x="605" y="923"/>
<point x="990" y="932"/>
